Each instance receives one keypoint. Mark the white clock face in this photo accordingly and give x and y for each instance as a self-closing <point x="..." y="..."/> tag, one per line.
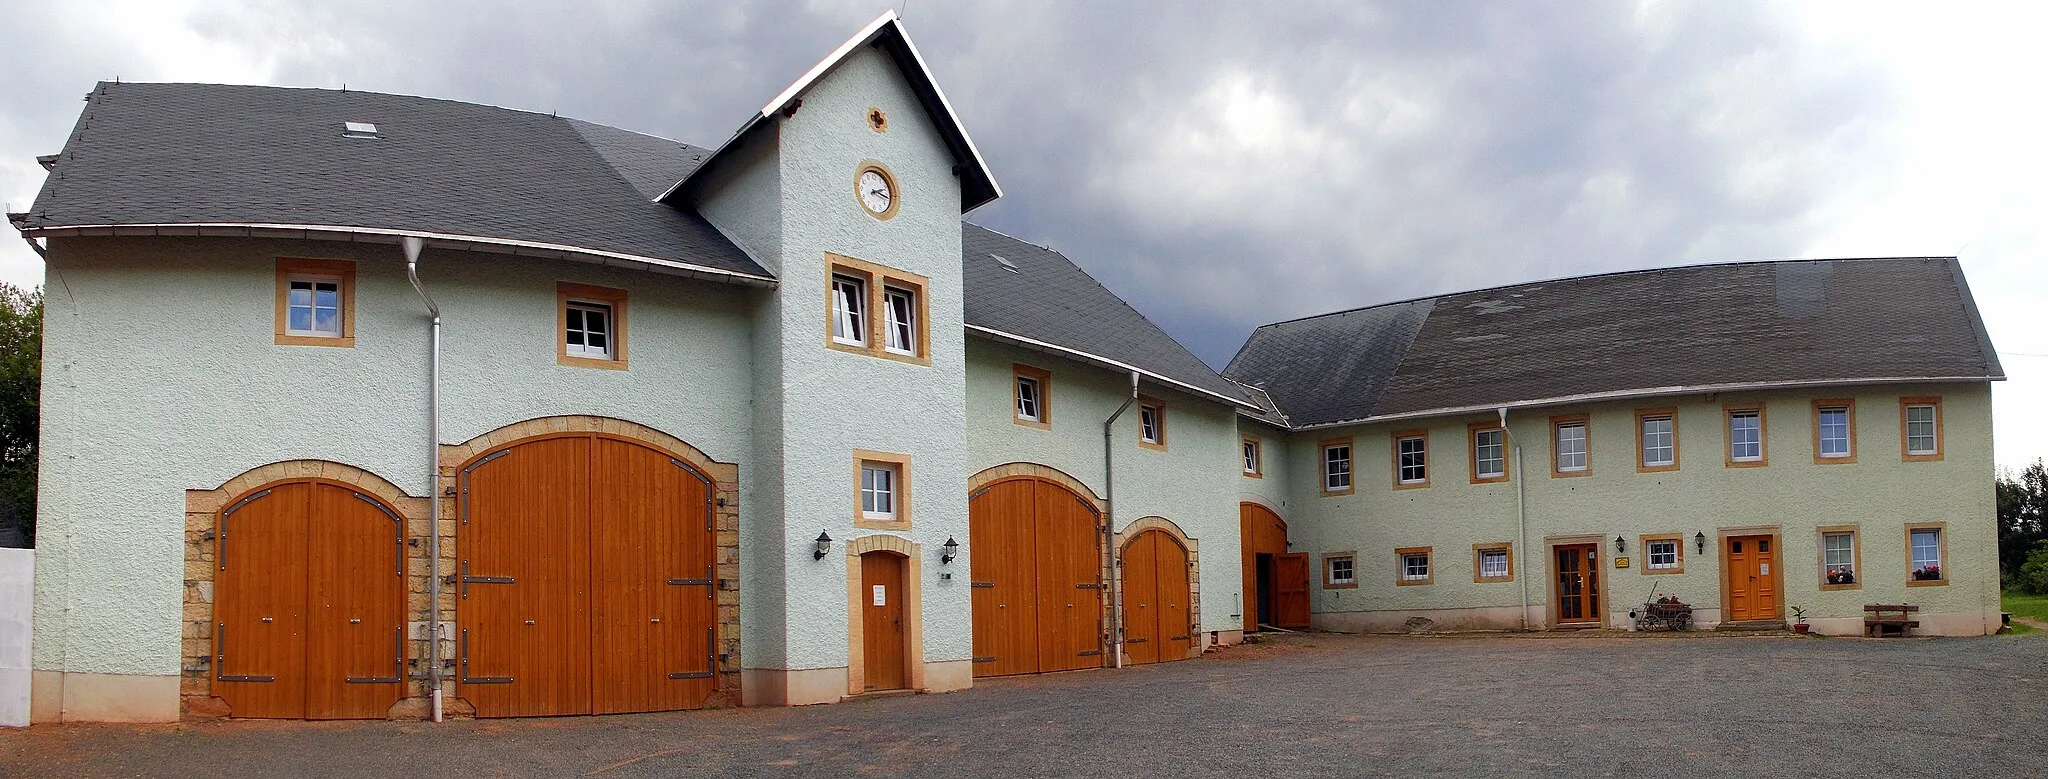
<point x="874" y="192"/>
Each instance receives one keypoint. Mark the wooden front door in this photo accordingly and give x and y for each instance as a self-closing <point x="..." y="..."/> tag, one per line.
<point x="883" y="639"/>
<point x="1577" y="583"/>
<point x="1036" y="578"/>
<point x="1290" y="590"/>
<point x="1751" y="579"/>
<point x="1157" y="624"/>
<point x="309" y="604"/>
<point x="585" y="582"/>
<point x="1263" y="534"/>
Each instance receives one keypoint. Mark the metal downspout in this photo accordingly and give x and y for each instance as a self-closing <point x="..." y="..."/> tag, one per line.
<point x="1521" y="516"/>
<point x="413" y="246"/>
<point x="1116" y="626"/>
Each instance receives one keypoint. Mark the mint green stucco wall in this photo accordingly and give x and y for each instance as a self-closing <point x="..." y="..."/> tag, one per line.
<point x="1192" y="484"/>
<point x="1879" y="493"/>
<point x="161" y="375"/>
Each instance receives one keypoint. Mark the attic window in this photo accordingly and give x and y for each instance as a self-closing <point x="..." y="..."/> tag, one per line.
<point x="358" y="130"/>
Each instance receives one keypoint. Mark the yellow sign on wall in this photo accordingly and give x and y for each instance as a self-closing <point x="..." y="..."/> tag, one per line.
<point x="1621" y="562"/>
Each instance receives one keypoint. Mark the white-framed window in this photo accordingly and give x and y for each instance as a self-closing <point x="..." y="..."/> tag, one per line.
<point x="1920" y="430"/>
<point x="1411" y="459"/>
<point x="1571" y="447"/>
<point x="1926" y="551"/>
<point x="899" y="309"/>
<point x="1341" y="571"/>
<point x="1337" y="467"/>
<point x="1028" y="394"/>
<point x="1415" y="566"/>
<point x="1662" y="555"/>
<point x="1660" y="443"/>
<point x="1745" y="435"/>
<point x="1151" y="423"/>
<point x="587" y="330"/>
<point x="1251" y="457"/>
<point x="1493" y="563"/>
<point x="878" y="491"/>
<point x="1834" y="431"/>
<point x="1489" y="454"/>
<point x="313" y="306"/>
<point x="1838" y="557"/>
<point x="849" y="310"/>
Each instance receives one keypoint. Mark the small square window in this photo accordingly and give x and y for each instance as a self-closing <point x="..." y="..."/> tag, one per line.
<point x="1253" y="466"/>
<point x="1337" y="467"/>
<point x="849" y="310"/>
<point x="1839" y="562"/>
<point x="1492" y="563"/>
<point x="881" y="490"/>
<point x="1920" y="429"/>
<point x="1489" y="453"/>
<point x="1340" y="571"/>
<point x="591" y="326"/>
<point x="1927" y="555"/>
<point x="1411" y="459"/>
<point x="315" y="303"/>
<point x="1151" y="424"/>
<point x="1031" y="396"/>
<point x="877" y="311"/>
<point x="1414" y="566"/>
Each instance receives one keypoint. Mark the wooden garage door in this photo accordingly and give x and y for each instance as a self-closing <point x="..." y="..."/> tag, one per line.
<point x="1158" y="626"/>
<point x="586" y="580"/>
<point x="309" y="603"/>
<point x="1037" y="579"/>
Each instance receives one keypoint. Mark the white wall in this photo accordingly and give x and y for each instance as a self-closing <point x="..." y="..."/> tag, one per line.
<point x="17" y="589"/>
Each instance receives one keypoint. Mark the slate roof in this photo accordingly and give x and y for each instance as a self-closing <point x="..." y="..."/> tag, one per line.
<point x="189" y="154"/>
<point x="1789" y="323"/>
<point x="1051" y="300"/>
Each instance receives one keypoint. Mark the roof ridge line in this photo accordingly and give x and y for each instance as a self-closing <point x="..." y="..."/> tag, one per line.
<point x="1555" y="279"/>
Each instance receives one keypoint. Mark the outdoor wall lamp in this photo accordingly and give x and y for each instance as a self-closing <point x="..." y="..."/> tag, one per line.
<point x="950" y="550"/>
<point x="824" y="545"/>
<point x="1620" y="545"/>
<point x="1699" y="542"/>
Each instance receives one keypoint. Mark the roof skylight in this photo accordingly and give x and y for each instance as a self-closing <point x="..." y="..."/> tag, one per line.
<point x="359" y="130"/>
<point x="1007" y="265"/>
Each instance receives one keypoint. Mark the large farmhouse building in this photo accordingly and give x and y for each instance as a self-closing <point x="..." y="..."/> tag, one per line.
<point x="360" y="405"/>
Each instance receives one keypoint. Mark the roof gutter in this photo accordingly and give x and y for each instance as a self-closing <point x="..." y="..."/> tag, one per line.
<point x="391" y="235"/>
<point x="1033" y="343"/>
<point x="1691" y="389"/>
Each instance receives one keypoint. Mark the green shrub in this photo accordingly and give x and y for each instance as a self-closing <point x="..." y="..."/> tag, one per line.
<point x="2033" y="574"/>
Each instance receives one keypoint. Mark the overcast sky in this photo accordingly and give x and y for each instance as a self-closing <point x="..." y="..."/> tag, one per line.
<point x="1222" y="165"/>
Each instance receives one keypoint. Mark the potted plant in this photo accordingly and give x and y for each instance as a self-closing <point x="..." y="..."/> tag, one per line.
<point x="1799" y="621"/>
<point x="1841" y="576"/>
<point x="1928" y="574"/>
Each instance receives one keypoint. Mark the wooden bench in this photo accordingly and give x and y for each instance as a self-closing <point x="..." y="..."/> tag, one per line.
<point x="1881" y="619"/>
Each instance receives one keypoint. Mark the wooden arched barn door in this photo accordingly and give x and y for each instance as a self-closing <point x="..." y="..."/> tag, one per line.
<point x="1158" y="626"/>
<point x="1037" y="578"/>
<point x="309" y="603"/>
<point x="1275" y="581"/>
<point x="585" y="581"/>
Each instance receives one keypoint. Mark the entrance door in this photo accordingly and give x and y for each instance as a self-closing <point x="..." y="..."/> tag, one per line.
<point x="309" y="612"/>
<point x="586" y="580"/>
<point x="1752" y="584"/>
<point x="1263" y="535"/>
<point x="1157" y="624"/>
<point x="1037" y="578"/>
<point x="881" y="624"/>
<point x="1290" y="590"/>
<point x="1577" y="584"/>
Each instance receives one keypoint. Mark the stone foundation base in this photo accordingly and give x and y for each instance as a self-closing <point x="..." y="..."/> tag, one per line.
<point x="1947" y="623"/>
<point x="1421" y="620"/>
<point x="57" y="696"/>
<point x="949" y="676"/>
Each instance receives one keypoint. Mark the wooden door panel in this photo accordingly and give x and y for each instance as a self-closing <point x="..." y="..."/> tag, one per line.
<point x="259" y="614"/>
<point x="1002" y="534"/>
<point x="1069" y="581"/>
<point x="1176" y="617"/>
<point x="1750" y="563"/>
<point x="1262" y="532"/>
<point x="355" y="587"/>
<point x="653" y="608"/>
<point x="1577" y="583"/>
<point x="524" y="646"/>
<point x="1290" y="596"/>
<point x="1142" y="638"/>
<point x="882" y="629"/>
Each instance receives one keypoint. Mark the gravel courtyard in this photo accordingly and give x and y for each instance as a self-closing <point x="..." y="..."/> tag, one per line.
<point x="1305" y="705"/>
